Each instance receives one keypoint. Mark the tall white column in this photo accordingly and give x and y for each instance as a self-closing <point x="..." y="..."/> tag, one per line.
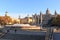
<point x="41" y="20"/>
<point x="35" y="18"/>
<point x="38" y="19"/>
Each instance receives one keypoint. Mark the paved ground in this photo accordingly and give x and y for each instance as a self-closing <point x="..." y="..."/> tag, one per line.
<point x="26" y="32"/>
<point x="19" y="36"/>
<point x="56" y="36"/>
<point x="23" y="37"/>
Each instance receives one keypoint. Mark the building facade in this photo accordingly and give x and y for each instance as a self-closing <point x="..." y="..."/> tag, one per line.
<point x="35" y="19"/>
<point x="43" y="18"/>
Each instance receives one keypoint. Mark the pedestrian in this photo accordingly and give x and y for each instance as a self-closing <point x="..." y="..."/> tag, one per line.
<point x="7" y="30"/>
<point x="15" y="30"/>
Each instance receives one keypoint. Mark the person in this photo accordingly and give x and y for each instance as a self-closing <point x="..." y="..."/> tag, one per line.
<point x="7" y="30"/>
<point x="15" y="30"/>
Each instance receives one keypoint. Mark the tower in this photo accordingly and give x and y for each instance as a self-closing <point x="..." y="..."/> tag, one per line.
<point x="6" y="13"/>
<point x="19" y="17"/>
<point x="47" y="12"/>
<point x="40" y="13"/>
<point x="41" y="16"/>
<point x="41" y="20"/>
<point x="55" y="12"/>
<point x="28" y="15"/>
<point x="35" y="16"/>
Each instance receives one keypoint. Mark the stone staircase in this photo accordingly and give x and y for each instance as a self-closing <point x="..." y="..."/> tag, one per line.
<point x="49" y="34"/>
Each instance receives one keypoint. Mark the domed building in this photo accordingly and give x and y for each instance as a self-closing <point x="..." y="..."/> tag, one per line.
<point x="8" y="20"/>
<point x="43" y="18"/>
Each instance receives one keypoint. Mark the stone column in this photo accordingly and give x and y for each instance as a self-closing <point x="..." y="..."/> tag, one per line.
<point x="35" y="18"/>
<point x="41" y="19"/>
<point x="38" y="19"/>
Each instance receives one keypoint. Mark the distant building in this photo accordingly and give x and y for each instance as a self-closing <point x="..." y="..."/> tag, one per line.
<point x="8" y="20"/>
<point x="26" y="20"/>
<point x="44" y="18"/>
<point x="35" y="19"/>
<point x="6" y="13"/>
<point x="5" y="19"/>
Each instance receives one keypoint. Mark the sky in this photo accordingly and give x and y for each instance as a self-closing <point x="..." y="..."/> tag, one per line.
<point x="28" y="7"/>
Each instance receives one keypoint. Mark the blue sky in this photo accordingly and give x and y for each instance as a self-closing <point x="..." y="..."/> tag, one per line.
<point x="25" y="7"/>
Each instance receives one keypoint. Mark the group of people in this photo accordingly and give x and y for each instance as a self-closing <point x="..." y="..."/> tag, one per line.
<point x="8" y="30"/>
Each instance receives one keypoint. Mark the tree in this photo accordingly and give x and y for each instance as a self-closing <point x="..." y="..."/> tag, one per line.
<point x="5" y="20"/>
<point x="55" y="21"/>
<point x="8" y="20"/>
<point x="2" y="22"/>
<point x="50" y="22"/>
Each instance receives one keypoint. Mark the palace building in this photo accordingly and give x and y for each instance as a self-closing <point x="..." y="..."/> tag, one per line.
<point x="43" y="18"/>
